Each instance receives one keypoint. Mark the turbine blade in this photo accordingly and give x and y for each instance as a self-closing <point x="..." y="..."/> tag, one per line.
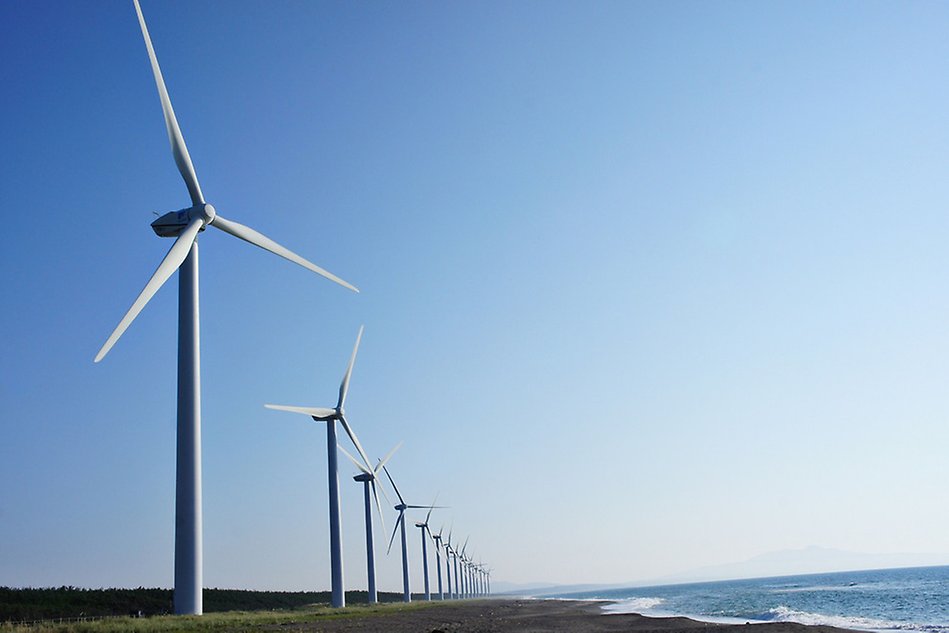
<point x="382" y="489"/>
<point x="318" y="412"/>
<point x="173" y="259"/>
<point x="382" y="462"/>
<point x="178" y="148"/>
<point x="259" y="239"/>
<point x="352" y="436"/>
<point x="394" y="530"/>
<point x="428" y="516"/>
<point x="344" y="386"/>
<point x="424" y="507"/>
<point x="464" y="547"/>
<point x="375" y="495"/>
<point x="365" y="470"/>
<point x="394" y="487"/>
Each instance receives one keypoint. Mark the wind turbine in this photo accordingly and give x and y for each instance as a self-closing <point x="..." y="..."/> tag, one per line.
<point x="368" y="478"/>
<point x="400" y="523"/>
<point x="184" y="225"/>
<point x="464" y="566"/>
<point x="438" y="561"/>
<point x="330" y="416"/>
<point x="423" y="526"/>
<point x="448" y="552"/>
<point x="459" y="593"/>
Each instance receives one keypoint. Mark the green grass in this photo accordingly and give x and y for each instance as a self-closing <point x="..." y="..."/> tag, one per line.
<point x="30" y="604"/>
<point x="231" y="621"/>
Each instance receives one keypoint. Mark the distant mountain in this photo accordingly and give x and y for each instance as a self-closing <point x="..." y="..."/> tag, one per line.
<point x="809" y="560"/>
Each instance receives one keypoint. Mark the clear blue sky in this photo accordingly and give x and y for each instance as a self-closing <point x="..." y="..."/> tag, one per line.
<point x="646" y="286"/>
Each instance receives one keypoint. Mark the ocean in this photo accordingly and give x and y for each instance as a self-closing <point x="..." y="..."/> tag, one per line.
<point x="915" y="599"/>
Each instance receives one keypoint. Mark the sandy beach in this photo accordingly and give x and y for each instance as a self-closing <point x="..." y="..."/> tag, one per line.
<point x="530" y="616"/>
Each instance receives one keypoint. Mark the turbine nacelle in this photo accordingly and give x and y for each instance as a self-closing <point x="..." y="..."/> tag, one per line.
<point x="335" y="415"/>
<point x="174" y="222"/>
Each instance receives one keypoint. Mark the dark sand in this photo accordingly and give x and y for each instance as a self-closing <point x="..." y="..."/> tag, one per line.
<point x="531" y="616"/>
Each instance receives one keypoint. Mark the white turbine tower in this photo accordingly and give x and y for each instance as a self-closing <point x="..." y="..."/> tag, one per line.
<point x="464" y="569"/>
<point x="400" y="524"/>
<point x="184" y="226"/>
<point x="459" y="588"/>
<point x="448" y="553"/>
<point x="330" y="416"/>
<point x="438" y="560"/>
<point x="423" y="526"/>
<point x="368" y="477"/>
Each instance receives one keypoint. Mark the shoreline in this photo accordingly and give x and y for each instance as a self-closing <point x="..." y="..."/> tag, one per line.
<point x="536" y="615"/>
<point x="486" y="615"/>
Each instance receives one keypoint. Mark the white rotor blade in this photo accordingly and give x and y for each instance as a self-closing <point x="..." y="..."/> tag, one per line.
<point x="375" y="495"/>
<point x="394" y="487"/>
<point x="176" y="255"/>
<point x="382" y="462"/>
<point x="178" y="147"/>
<point x="319" y="412"/>
<point x="344" y="386"/>
<point x="395" y="529"/>
<point x="364" y="470"/>
<point x="428" y="516"/>
<point x="352" y="436"/>
<point x="259" y="239"/>
<point x="382" y="489"/>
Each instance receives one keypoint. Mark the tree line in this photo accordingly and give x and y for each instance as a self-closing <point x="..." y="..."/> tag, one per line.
<point x="17" y="605"/>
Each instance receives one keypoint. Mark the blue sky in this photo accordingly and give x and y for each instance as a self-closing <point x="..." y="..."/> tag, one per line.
<point x="646" y="286"/>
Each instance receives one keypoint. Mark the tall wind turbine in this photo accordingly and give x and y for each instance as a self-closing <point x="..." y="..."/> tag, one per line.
<point x="400" y="524"/>
<point x="184" y="225"/>
<point x="448" y="552"/>
<point x="464" y="569"/>
<point x="438" y="560"/>
<point x="423" y="526"/>
<point x="368" y="478"/>
<point x="455" y="554"/>
<point x="330" y="416"/>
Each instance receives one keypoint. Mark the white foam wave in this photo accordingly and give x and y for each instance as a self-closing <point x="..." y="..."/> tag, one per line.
<point x="787" y="614"/>
<point x="633" y="605"/>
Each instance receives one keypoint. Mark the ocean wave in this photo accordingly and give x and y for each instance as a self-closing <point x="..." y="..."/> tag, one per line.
<point x="787" y="614"/>
<point x="633" y="605"/>
<point x="817" y="588"/>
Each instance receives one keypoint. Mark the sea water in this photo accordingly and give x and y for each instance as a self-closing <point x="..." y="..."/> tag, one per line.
<point x="880" y="600"/>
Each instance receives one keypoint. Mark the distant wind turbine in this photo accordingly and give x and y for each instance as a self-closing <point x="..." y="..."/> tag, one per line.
<point x="184" y="226"/>
<point x="423" y="526"/>
<point x="464" y="569"/>
<point x="330" y="416"/>
<point x="448" y="552"/>
<point x="438" y="560"/>
<point x="400" y="525"/>
<point x="459" y="589"/>
<point x="368" y="478"/>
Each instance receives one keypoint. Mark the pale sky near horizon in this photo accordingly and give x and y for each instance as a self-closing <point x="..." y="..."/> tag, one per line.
<point x="647" y="286"/>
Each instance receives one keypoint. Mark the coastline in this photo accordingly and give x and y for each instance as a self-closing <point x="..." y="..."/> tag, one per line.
<point x="526" y="615"/>
<point x="490" y="615"/>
